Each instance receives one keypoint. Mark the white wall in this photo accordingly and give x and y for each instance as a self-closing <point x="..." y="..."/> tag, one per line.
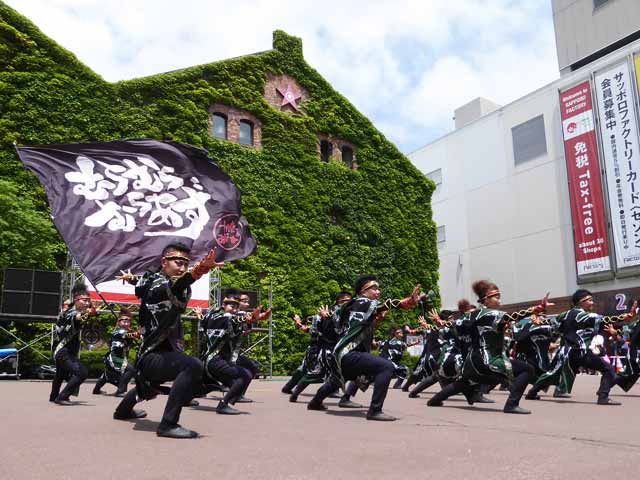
<point x="508" y="223"/>
<point x="582" y="30"/>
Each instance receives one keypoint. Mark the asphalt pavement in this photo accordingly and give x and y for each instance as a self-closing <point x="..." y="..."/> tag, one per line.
<point x="276" y="439"/>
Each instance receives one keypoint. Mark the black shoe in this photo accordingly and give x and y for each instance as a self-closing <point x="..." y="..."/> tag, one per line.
<point x="97" y="391"/>
<point x="515" y="409"/>
<point x="380" y="417"/>
<point x="65" y="403"/>
<point x="533" y="396"/>
<point x="244" y="399"/>
<point x="119" y="394"/>
<point x="193" y="403"/>
<point x="349" y="404"/>
<point x="293" y="398"/>
<point x="607" y="401"/>
<point x="317" y="406"/>
<point x="286" y="391"/>
<point x="129" y="416"/>
<point x="434" y="403"/>
<point x="558" y="394"/>
<point x="176" y="432"/>
<point x="226" y="409"/>
<point x="414" y="395"/>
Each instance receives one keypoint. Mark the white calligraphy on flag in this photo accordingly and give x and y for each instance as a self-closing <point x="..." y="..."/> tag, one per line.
<point x="140" y="191"/>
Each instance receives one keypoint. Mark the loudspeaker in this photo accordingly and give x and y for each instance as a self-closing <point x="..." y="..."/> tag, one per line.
<point x="16" y="302"/>
<point x="18" y="279"/>
<point x="49" y="282"/>
<point x="31" y="292"/>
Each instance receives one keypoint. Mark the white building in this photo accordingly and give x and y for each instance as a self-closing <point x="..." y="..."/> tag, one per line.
<point x="502" y="203"/>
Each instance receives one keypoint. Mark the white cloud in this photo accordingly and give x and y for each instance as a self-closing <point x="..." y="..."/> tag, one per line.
<point x="406" y="64"/>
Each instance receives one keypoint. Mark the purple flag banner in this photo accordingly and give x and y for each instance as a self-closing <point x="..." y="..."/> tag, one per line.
<point x="117" y="204"/>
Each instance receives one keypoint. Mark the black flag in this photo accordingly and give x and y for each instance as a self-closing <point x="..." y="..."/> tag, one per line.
<point x="117" y="204"/>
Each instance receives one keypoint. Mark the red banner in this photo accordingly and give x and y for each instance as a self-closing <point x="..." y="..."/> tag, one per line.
<point x="585" y="186"/>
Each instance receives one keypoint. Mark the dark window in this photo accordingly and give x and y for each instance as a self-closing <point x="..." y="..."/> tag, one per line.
<point x="347" y="156"/>
<point x="599" y="3"/>
<point x="326" y="149"/>
<point x="529" y="140"/>
<point x="337" y="215"/>
<point x="441" y="235"/>
<point x="219" y="126"/>
<point x="246" y="132"/>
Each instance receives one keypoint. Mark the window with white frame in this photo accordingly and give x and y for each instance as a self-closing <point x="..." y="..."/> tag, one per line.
<point x="441" y="234"/>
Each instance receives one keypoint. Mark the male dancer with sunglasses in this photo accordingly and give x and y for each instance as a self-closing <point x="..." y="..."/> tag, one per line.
<point x="163" y="299"/>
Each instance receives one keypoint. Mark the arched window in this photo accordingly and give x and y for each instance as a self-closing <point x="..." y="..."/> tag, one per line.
<point x="326" y="149"/>
<point x="246" y="133"/>
<point x="347" y="156"/>
<point x="219" y="126"/>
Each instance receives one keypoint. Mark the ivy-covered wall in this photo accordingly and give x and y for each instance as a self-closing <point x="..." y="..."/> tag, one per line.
<point x="289" y="196"/>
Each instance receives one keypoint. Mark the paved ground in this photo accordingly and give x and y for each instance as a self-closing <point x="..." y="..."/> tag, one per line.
<point x="277" y="439"/>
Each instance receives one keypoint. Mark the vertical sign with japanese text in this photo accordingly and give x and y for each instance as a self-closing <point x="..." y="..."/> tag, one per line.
<point x="616" y="111"/>
<point x="585" y="186"/>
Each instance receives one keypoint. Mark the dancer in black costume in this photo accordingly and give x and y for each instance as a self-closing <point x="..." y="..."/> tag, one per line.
<point x="578" y="326"/>
<point x="629" y="376"/>
<point x="117" y="369"/>
<point x="223" y="327"/>
<point x="66" y="347"/>
<point x="434" y="340"/>
<point x="163" y="299"/>
<point x="487" y="362"/>
<point x="352" y="352"/>
<point x="328" y="334"/>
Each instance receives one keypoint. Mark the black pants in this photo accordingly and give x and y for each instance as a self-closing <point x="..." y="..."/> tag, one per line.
<point x="593" y="362"/>
<point x="631" y="373"/>
<point x="293" y="381"/>
<point x="249" y="364"/>
<point x="67" y="367"/>
<point x="235" y="377"/>
<point x="160" y="367"/>
<point x="522" y="373"/>
<point x="424" y="384"/>
<point x="119" y="380"/>
<point x="350" y="390"/>
<point x="590" y="361"/>
<point x="355" y="364"/>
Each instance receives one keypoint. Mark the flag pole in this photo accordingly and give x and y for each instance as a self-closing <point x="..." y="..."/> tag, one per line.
<point x="104" y="300"/>
<point x="108" y="305"/>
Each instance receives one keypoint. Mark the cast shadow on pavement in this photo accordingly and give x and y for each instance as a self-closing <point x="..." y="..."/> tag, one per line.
<point x="473" y="408"/>
<point x="205" y="408"/>
<point x="567" y="402"/>
<point x="145" y="425"/>
<point x="81" y="403"/>
<point x="362" y="413"/>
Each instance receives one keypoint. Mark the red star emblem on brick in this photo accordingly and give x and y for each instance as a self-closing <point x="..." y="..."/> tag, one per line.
<point x="290" y="96"/>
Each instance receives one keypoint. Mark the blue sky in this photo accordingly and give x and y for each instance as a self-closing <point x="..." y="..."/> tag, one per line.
<point x="405" y="64"/>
